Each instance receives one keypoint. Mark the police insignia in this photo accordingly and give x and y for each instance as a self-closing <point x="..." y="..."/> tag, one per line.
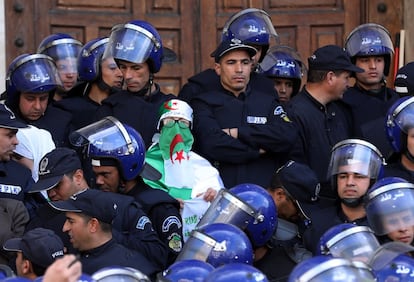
<point x="279" y="111"/>
<point x="142" y="221"/>
<point x="170" y="221"/>
<point x="174" y="242"/>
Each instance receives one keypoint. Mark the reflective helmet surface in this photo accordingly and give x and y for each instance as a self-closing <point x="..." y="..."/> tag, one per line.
<point x="357" y="156"/>
<point x="283" y="62"/>
<point x="5" y="271"/>
<point x="370" y="40"/>
<point x="400" y="268"/>
<point x="90" y="57"/>
<point x="125" y="274"/>
<point x="83" y="278"/>
<point x="33" y="73"/>
<point x="111" y="139"/>
<point x="61" y="46"/>
<point x="262" y="227"/>
<point x="236" y="272"/>
<point x="218" y="244"/>
<point x="252" y="26"/>
<point x="186" y="270"/>
<point x="390" y="205"/>
<point x="400" y="119"/>
<point x="326" y="268"/>
<point x="136" y="42"/>
<point x="349" y="241"/>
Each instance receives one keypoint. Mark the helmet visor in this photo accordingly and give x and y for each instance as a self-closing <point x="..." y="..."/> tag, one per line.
<point x="198" y="246"/>
<point x="226" y="208"/>
<point x="403" y="116"/>
<point x="107" y="136"/>
<point x="131" y="43"/>
<point x="356" y="156"/>
<point x="35" y="74"/>
<point x="369" y="40"/>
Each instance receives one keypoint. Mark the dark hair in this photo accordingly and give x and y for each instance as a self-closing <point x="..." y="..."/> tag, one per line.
<point x="320" y="75"/>
<point x="106" y="227"/>
<point x="37" y="269"/>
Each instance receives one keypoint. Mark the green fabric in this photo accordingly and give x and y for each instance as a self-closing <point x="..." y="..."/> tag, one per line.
<point x="175" y="139"/>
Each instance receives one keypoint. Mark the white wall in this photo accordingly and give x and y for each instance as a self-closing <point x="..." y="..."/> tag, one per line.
<point x="2" y="47"/>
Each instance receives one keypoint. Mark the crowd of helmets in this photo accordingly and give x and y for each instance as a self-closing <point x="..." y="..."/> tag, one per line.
<point x="243" y="218"/>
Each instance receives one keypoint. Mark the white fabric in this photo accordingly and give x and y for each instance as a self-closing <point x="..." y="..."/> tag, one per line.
<point x="34" y="143"/>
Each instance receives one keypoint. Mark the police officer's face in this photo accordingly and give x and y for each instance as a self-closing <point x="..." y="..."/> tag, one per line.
<point x="68" y="72"/>
<point x="234" y="70"/>
<point x="21" y="265"/>
<point x="8" y="142"/>
<point x="373" y="73"/>
<point x="111" y="74"/>
<point x="63" y="190"/>
<point x="284" y="88"/>
<point x="107" y="178"/>
<point x="402" y="224"/>
<point x="341" y="83"/>
<point x="136" y="76"/>
<point x="352" y="185"/>
<point x="410" y="142"/>
<point x="33" y="105"/>
<point x="77" y="228"/>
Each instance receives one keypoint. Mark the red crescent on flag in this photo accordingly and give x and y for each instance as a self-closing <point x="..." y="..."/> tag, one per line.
<point x="177" y="139"/>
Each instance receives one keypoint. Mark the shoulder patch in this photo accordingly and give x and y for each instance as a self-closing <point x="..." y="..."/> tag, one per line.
<point x="170" y="221"/>
<point x="142" y="221"/>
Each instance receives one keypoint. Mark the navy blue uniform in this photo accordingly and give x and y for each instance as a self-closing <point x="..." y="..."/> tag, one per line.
<point x="369" y="111"/>
<point x="320" y="128"/>
<point x="164" y="213"/>
<point x="114" y="254"/>
<point x="208" y="80"/>
<point x="396" y="169"/>
<point x="131" y="227"/>
<point x="139" y="112"/>
<point x="262" y="124"/>
<point x="324" y="219"/>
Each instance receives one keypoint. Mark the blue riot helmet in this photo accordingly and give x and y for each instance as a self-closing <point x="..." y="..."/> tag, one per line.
<point x="390" y="205"/>
<point x="370" y="39"/>
<point x="16" y="279"/>
<point x="247" y="206"/>
<point x="61" y="46"/>
<point x="400" y="119"/>
<point x="89" y="59"/>
<point x="186" y="270"/>
<point x="400" y="268"/>
<point x="284" y="62"/>
<point x="349" y="241"/>
<point x="136" y="42"/>
<point x="218" y="244"/>
<point x="355" y="156"/>
<point x="236" y="272"/>
<point x="33" y="73"/>
<point x="5" y="271"/>
<point x="253" y="27"/>
<point x="118" y="273"/>
<point x="112" y="143"/>
<point x="327" y="268"/>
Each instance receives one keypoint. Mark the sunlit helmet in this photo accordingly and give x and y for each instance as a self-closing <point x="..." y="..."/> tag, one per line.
<point x="186" y="270"/>
<point x="61" y="46"/>
<point x="90" y="57"/>
<point x="370" y="40"/>
<point x="390" y="205"/>
<point x="249" y="207"/>
<point x="384" y="256"/>
<point x="118" y="273"/>
<point x="400" y="268"/>
<point x="253" y="27"/>
<point x="357" y="156"/>
<point x="111" y="142"/>
<point x="236" y="272"/>
<point x="33" y="73"/>
<point x="327" y="268"/>
<point x="400" y="119"/>
<point x="349" y="241"/>
<point x="284" y="62"/>
<point x="136" y="42"/>
<point x="218" y="244"/>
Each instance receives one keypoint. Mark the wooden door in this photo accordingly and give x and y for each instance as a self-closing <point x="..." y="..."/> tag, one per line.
<point x="192" y="28"/>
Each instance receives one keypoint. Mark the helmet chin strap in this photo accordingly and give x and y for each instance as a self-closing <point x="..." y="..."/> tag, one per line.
<point x="352" y="202"/>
